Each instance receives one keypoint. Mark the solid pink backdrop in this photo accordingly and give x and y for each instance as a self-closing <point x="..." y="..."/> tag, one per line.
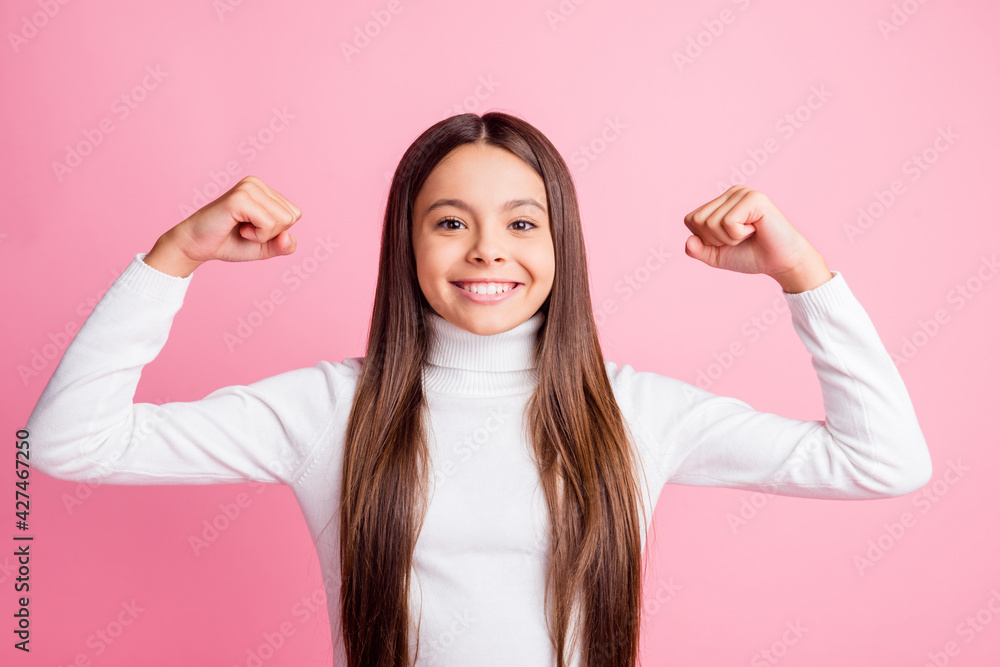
<point x="828" y="108"/>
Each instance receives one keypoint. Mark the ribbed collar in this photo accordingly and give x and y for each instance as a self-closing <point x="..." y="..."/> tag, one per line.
<point x="463" y="363"/>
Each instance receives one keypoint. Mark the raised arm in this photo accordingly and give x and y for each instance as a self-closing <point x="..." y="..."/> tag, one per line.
<point x="85" y="425"/>
<point x="870" y="444"/>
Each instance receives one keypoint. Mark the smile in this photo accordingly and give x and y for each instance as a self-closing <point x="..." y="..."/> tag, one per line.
<point x="479" y="292"/>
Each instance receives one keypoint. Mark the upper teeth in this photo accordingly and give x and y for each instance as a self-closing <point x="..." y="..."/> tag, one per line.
<point x="487" y="288"/>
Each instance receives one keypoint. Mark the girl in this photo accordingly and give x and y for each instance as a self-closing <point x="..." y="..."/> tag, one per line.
<point x="473" y="484"/>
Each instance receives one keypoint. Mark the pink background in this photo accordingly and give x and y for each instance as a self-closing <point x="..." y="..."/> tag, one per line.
<point x="672" y="137"/>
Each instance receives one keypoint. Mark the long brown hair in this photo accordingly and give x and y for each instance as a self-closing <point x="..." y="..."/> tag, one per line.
<point x="584" y="457"/>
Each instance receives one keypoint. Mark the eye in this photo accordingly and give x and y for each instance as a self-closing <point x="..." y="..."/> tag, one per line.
<point x="447" y="220"/>
<point x="443" y="224"/>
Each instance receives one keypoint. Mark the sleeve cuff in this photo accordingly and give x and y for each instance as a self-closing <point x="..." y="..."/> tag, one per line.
<point x="825" y="298"/>
<point x="151" y="282"/>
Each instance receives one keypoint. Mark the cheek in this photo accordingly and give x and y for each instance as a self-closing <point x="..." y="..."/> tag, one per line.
<point x="433" y="262"/>
<point x="540" y="261"/>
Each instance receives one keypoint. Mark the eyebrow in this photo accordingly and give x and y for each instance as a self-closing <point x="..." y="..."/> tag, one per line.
<point x="458" y="203"/>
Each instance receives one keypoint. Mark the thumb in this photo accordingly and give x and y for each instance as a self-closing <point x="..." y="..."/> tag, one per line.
<point x="282" y="244"/>
<point x="694" y="247"/>
<point x="249" y="232"/>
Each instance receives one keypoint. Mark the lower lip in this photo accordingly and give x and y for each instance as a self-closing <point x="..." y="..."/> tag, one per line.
<point x="487" y="298"/>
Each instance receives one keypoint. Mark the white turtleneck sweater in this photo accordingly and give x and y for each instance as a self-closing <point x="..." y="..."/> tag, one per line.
<point x="480" y="560"/>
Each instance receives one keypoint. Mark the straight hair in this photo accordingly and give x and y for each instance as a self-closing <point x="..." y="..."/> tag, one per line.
<point x="585" y="459"/>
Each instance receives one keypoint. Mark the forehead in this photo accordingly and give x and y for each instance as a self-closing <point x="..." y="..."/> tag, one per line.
<point x="486" y="173"/>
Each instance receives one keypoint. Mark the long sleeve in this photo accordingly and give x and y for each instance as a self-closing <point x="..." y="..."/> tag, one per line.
<point x="869" y="446"/>
<point x="85" y="427"/>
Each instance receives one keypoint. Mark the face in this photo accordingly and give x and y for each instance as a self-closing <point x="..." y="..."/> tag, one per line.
<point x="481" y="219"/>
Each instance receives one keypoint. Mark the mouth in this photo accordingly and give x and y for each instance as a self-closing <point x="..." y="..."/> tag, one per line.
<point x="491" y="292"/>
<point x="490" y="288"/>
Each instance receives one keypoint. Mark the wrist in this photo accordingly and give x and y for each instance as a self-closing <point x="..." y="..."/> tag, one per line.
<point x="167" y="257"/>
<point x="805" y="276"/>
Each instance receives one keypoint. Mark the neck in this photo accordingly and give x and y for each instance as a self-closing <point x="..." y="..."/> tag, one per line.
<point x="463" y="363"/>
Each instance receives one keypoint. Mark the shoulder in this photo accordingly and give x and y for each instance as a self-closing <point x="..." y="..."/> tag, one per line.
<point x="627" y="380"/>
<point x="653" y="406"/>
<point x="650" y="397"/>
<point x="340" y="377"/>
<point x="313" y="405"/>
<point x="347" y="370"/>
<point x="319" y="388"/>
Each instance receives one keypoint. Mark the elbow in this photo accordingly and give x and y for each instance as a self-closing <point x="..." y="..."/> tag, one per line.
<point x="55" y="468"/>
<point x="43" y="452"/>
<point x="44" y="457"/>
<point x="909" y="477"/>
<point x="35" y="451"/>
<point x="63" y="459"/>
<point x="68" y="470"/>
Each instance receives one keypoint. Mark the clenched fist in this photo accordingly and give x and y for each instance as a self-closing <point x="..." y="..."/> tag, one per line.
<point x="742" y="230"/>
<point x="249" y="222"/>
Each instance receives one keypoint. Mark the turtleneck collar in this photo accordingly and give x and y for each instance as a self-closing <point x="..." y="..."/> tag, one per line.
<point x="464" y="363"/>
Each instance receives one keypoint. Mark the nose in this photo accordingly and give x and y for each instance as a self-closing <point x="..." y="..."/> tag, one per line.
<point x="487" y="247"/>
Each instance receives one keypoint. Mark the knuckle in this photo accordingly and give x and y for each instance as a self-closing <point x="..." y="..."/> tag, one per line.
<point x="242" y="189"/>
<point x="242" y="196"/>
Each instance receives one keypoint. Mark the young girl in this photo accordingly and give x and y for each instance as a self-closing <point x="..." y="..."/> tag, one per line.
<point x="473" y="484"/>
